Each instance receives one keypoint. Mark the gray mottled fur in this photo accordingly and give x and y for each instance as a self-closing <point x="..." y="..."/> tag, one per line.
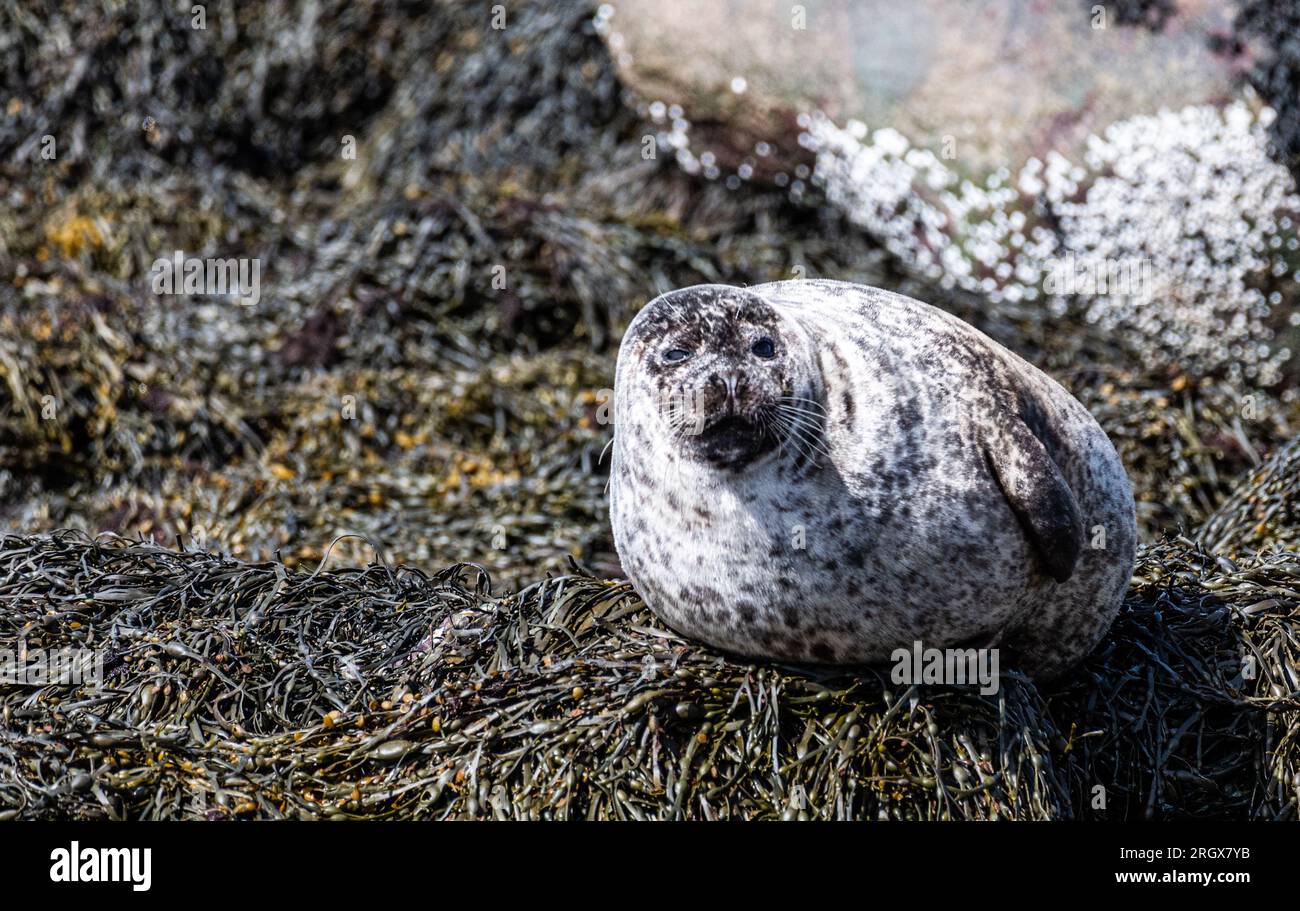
<point x="939" y="489"/>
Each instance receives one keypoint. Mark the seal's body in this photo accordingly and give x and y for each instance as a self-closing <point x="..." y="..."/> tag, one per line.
<point x="827" y="472"/>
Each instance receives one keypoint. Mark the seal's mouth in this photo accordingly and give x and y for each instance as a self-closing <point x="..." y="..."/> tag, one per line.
<point x="731" y="441"/>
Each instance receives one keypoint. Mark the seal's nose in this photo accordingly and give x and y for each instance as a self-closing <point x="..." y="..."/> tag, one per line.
<point x="733" y="383"/>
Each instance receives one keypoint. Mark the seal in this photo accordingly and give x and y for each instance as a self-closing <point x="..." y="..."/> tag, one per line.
<point x="824" y="472"/>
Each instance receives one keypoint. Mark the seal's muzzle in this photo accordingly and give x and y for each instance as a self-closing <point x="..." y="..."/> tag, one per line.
<point x="731" y="441"/>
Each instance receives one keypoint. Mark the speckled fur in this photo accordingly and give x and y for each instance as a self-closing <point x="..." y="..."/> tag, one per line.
<point x="959" y="498"/>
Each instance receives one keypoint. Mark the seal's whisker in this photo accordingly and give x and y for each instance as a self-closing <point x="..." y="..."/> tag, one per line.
<point x="800" y="413"/>
<point x="805" y="421"/>
<point x="605" y="449"/>
<point x="802" y="408"/>
<point x="774" y="425"/>
<point x="807" y="439"/>
<point x="807" y="445"/>
<point x="802" y="400"/>
<point x="804" y="412"/>
<point x="801" y="430"/>
<point x="803" y="415"/>
<point x="769" y="421"/>
<point x="802" y="404"/>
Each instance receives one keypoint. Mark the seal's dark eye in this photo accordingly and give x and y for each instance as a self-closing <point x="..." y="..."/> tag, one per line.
<point x="763" y="347"/>
<point x="676" y="355"/>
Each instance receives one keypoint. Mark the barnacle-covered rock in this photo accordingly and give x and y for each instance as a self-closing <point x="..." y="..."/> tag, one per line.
<point x="1175" y="234"/>
<point x="1048" y="74"/>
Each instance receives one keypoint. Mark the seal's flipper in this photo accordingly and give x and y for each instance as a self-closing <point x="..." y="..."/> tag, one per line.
<point x="1039" y="496"/>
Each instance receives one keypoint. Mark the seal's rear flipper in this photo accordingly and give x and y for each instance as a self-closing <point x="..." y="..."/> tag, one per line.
<point x="1039" y="496"/>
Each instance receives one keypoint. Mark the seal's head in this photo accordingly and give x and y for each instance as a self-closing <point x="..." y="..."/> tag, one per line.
<point x="721" y="372"/>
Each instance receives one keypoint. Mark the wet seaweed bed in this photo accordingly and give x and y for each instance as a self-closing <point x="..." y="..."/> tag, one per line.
<point x="425" y="382"/>
<point x="241" y="690"/>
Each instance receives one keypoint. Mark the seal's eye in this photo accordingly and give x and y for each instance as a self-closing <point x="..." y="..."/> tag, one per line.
<point x="763" y="347"/>
<point x="676" y="355"/>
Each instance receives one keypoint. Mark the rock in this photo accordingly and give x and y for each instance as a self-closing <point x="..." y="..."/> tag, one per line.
<point x="995" y="82"/>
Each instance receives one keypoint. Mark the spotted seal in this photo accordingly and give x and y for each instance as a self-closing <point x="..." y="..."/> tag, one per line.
<point x="825" y="472"/>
